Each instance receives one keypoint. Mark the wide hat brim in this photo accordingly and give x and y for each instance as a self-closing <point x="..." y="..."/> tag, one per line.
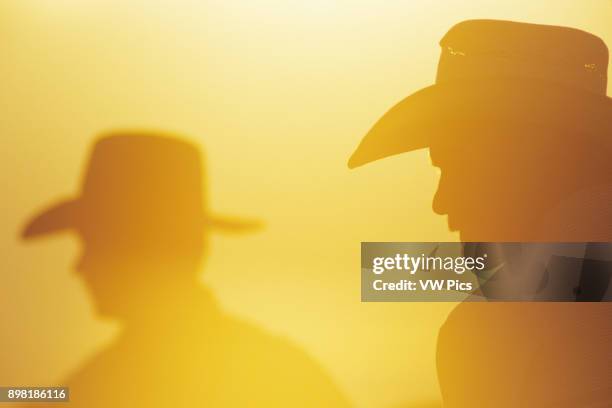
<point x="440" y="108"/>
<point x="64" y="216"/>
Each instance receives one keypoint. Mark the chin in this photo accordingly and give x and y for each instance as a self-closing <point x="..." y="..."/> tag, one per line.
<point x="465" y="237"/>
<point x="474" y="236"/>
<point x="104" y="312"/>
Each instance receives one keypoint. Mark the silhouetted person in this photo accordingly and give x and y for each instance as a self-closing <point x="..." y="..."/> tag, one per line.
<point x="143" y="220"/>
<point x="521" y="128"/>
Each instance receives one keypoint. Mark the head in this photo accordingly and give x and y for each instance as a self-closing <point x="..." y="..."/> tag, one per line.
<point x="517" y="120"/>
<point x="143" y="222"/>
<point x="498" y="183"/>
<point x="132" y="269"/>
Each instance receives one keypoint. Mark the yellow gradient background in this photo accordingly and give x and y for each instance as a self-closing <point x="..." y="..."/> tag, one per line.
<point x="278" y="93"/>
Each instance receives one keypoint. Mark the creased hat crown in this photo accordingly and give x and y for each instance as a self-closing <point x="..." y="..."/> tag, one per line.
<point x="477" y="49"/>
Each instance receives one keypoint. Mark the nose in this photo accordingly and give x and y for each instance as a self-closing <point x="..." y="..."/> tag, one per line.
<point x="81" y="265"/>
<point x="440" y="200"/>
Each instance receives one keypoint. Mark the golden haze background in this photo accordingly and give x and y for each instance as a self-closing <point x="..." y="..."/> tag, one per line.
<point x="278" y="94"/>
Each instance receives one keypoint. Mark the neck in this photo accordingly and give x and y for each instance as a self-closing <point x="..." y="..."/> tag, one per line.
<point x="172" y="305"/>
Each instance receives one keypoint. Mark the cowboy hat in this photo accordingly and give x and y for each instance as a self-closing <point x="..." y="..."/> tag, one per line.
<point x="501" y="72"/>
<point x="141" y="180"/>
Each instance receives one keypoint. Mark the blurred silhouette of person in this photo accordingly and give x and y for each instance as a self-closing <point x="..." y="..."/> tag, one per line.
<point x="520" y="126"/>
<point x="143" y="220"/>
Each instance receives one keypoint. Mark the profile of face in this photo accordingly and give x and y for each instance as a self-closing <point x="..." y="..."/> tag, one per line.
<point x="127" y="274"/>
<point x="497" y="184"/>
